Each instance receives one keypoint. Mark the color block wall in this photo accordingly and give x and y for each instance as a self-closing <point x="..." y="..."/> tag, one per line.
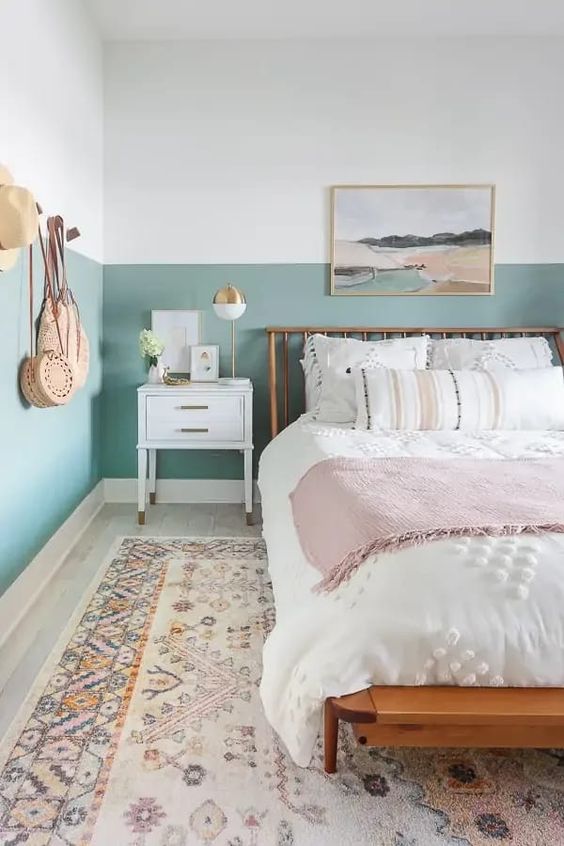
<point x="218" y="158"/>
<point x="277" y="294"/>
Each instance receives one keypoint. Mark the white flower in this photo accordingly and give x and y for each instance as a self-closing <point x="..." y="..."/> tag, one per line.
<point x="149" y="344"/>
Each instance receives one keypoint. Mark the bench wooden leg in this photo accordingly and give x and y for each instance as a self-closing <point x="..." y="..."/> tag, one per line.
<point x="330" y="737"/>
<point x="356" y="708"/>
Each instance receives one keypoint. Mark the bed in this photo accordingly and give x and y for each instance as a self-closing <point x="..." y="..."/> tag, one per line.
<point x="408" y="652"/>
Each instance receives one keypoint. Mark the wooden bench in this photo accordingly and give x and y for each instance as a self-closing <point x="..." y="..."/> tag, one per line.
<point x="447" y="717"/>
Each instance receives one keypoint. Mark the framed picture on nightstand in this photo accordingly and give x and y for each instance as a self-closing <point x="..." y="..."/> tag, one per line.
<point x="179" y="330"/>
<point x="204" y="363"/>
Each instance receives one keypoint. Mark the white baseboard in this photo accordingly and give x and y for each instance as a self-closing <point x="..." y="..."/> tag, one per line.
<point x="17" y="600"/>
<point x="180" y="490"/>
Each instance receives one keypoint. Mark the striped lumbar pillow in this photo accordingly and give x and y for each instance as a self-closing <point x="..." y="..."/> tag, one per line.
<point x="460" y="399"/>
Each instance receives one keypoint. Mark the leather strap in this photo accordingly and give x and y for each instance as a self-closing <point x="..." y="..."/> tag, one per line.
<point x="52" y="223"/>
<point x="67" y="293"/>
<point x="64" y="295"/>
<point x="48" y="289"/>
<point x="59" y="234"/>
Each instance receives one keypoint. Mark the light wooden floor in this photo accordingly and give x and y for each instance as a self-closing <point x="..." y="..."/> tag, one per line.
<point x="56" y="606"/>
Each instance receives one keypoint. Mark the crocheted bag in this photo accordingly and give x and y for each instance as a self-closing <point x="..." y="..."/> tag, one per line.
<point x="60" y="326"/>
<point x="46" y="379"/>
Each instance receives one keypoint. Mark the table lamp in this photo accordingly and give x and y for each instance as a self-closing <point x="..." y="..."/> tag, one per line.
<point x="230" y="304"/>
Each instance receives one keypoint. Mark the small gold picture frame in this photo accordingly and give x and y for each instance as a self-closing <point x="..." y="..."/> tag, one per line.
<point x="204" y="363"/>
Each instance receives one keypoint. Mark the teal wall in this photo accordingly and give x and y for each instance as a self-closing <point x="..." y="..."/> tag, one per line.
<point x="50" y="457"/>
<point x="289" y="294"/>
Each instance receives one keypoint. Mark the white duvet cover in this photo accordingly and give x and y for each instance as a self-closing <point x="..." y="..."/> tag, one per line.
<point x="474" y="611"/>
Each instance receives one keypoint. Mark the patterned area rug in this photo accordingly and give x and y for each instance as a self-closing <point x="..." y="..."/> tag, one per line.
<point x="147" y="730"/>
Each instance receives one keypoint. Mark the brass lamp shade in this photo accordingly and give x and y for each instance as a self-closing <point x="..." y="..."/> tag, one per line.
<point x="229" y="295"/>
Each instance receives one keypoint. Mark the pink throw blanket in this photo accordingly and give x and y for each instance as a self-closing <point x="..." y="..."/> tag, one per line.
<point x="346" y="509"/>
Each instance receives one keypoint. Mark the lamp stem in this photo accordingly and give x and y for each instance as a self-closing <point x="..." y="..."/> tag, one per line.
<point x="233" y="348"/>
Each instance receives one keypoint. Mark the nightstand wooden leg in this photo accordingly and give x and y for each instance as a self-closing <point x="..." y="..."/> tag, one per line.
<point x="248" y="473"/>
<point x="141" y="484"/>
<point x="152" y="476"/>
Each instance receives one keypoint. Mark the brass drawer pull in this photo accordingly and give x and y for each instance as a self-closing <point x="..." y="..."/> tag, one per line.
<point x="193" y="407"/>
<point x="193" y="430"/>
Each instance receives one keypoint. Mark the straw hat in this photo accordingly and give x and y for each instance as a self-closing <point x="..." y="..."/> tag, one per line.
<point x="8" y="258"/>
<point x="18" y="219"/>
<point x="6" y="177"/>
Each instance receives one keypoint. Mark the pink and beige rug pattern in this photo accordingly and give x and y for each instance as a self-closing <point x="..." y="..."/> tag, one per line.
<point x="146" y="729"/>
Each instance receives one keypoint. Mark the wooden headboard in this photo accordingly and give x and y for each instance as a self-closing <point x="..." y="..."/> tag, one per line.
<point x="280" y="337"/>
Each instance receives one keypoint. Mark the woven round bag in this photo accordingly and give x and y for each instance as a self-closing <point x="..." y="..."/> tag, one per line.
<point x="75" y="341"/>
<point x="53" y="377"/>
<point x="46" y="379"/>
<point x="76" y="348"/>
<point x="27" y="384"/>
<point x="60" y="327"/>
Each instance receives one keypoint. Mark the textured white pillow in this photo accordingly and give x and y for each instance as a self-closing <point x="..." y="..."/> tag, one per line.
<point x="469" y="354"/>
<point x="336" y="357"/>
<point x="469" y="400"/>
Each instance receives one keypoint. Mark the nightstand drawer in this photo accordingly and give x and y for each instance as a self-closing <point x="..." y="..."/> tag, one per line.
<point x="200" y="418"/>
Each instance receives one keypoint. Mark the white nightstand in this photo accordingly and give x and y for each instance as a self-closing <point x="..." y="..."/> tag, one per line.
<point x="202" y="415"/>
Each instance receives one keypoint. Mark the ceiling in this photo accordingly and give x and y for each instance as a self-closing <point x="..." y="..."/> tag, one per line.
<point x="154" y="20"/>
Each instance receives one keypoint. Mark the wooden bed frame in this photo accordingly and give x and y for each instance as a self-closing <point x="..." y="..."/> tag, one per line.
<point x="432" y="716"/>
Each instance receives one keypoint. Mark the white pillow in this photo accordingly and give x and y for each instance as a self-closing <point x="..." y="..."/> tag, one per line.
<point x="468" y="354"/>
<point x="336" y="358"/>
<point x="468" y="400"/>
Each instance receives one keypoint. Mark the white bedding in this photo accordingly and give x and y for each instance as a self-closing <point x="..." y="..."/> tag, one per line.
<point x="470" y="612"/>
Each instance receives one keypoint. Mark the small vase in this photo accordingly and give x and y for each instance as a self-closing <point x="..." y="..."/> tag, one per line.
<point x="156" y="373"/>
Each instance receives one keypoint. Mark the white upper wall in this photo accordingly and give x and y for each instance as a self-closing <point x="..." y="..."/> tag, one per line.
<point x="223" y="151"/>
<point x="142" y="20"/>
<point x="51" y="110"/>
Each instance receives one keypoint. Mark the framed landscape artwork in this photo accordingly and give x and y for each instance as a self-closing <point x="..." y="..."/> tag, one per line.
<point x="412" y="239"/>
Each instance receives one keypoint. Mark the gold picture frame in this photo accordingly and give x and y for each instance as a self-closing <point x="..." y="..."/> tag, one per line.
<point x="408" y="263"/>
